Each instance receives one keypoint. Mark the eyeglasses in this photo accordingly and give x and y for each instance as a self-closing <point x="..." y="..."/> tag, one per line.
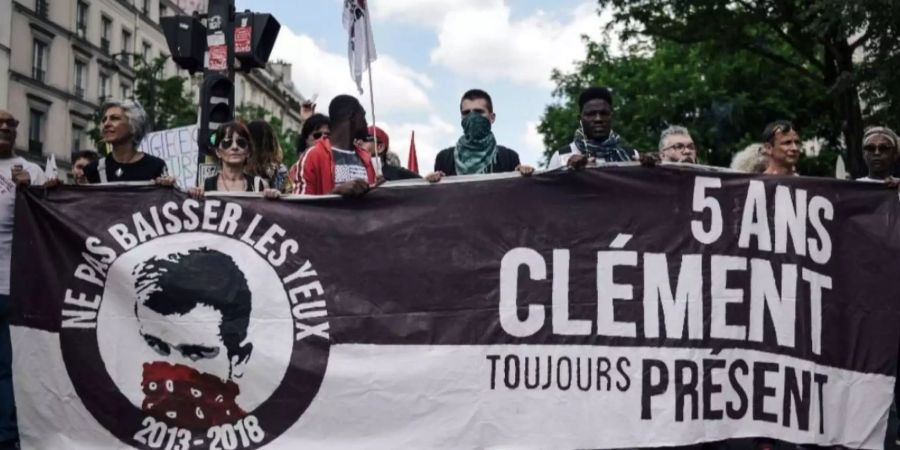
<point x="681" y="147"/>
<point x="881" y="148"/>
<point x="480" y="111"/>
<point x="227" y="144"/>
<point x="320" y="134"/>
<point x="10" y="123"/>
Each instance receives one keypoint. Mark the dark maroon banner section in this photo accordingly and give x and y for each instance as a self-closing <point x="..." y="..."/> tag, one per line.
<point x="796" y="266"/>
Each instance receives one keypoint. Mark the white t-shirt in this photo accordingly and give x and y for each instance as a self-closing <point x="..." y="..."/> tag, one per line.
<point x="7" y="208"/>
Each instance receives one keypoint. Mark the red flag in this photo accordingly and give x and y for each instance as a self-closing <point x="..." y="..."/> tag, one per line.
<point x="412" y="163"/>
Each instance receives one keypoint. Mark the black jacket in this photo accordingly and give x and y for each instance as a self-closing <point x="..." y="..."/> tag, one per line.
<point x="507" y="161"/>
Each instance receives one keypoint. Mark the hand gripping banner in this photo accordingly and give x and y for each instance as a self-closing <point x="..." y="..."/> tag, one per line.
<point x="620" y="307"/>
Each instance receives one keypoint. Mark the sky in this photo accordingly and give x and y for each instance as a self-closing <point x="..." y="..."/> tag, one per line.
<point x="430" y="52"/>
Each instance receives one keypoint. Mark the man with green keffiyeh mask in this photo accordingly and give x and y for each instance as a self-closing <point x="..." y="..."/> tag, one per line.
<point x="477" y="151"/>
<point x="594" y="142"/>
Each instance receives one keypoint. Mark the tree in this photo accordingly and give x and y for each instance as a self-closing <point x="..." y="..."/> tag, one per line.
<point x="167" y="103"/>
<point x="725" y="99"/>
<point x="286" y="137"/>
<point x="848" y="48"/>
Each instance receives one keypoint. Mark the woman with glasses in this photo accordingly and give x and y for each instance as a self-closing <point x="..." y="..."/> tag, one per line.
<point x="233" y="149"/>
<point x="316" y="127"/>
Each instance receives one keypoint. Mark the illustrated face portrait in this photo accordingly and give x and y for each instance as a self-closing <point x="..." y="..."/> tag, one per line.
<point x="193" y="310"/>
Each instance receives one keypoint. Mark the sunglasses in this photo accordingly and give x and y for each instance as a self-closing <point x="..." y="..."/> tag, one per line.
<point x="10" y="123"/>
<point x="881" y="148"/>
<point x="320" y="134"/>
<point x="241" y="143"/>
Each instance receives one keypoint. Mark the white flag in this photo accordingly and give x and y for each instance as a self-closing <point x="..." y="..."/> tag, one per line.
<point x="50" y="170"/>
<point x="361" y="46"/>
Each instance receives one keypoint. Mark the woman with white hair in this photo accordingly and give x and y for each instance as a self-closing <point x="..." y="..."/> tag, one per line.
<point x="751" y="159"/>
<point x="123" y="126"/>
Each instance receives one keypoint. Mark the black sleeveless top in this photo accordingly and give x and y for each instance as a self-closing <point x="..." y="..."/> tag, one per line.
<point x="211" y="184"/>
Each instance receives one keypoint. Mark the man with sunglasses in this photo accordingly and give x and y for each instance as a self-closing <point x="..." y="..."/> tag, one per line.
<point x="781" y="144"/>
<point x="880" y="153"/>
<point x="477" y="151"/>
<point x="594" y="141"/>
<point x="677" y="146"/>
<point x="14" y="172"/>
<point x="336" y="165"/>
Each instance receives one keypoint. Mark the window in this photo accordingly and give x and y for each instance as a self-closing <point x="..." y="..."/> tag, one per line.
<point x="126" y="46"/>
<point x="80" y="78"/>
<point x="39" y="62"/>
<point x="126" y="91"/>
<point x="42" y="8"/>
<point x="163" y="11"/>
<point x="104" y="87"/>
<point x="81" y="19"/>
<point x="36" y="132"/>
<point x="105" y="31"/>
<point x="145" y="52"/>
<point x="146" y="7"/>
<point x="77" y="137"/>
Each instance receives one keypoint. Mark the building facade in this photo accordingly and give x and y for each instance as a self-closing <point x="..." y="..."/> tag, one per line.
<point x="68" y="56"/>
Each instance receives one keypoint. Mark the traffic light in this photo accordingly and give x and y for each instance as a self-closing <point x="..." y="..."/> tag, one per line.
<point x="186" y="38"/>
<point x="254" y="38"/>
<point x="216" y="108"/>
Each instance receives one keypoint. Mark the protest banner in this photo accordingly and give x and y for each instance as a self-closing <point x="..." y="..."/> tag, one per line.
<point x="613" y="308"/>
<point x="178" y="148"/>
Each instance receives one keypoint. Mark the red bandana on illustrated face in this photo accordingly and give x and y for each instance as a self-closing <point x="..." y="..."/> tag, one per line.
<point x="183" y="396"/>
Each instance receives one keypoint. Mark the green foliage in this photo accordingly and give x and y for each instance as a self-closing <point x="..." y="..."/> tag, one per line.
<point x="286" y="137"/>
<point x="724" y="99"/>
<point x="725" y="68"/>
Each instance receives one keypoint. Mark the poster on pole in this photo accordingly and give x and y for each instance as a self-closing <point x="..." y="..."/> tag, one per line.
<point x="178" y="148"/>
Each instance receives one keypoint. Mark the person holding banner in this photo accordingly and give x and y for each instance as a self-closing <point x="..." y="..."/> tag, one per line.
<point x="594" y="141"/>
<point x="234" y="148"/>
<point x="266" y="160"/>
<point x="123" y="126"/>
<point x="477" y="151"/>
<point x="390" y="170"/>
<point x="337" y="165"/>
<point x="14" y="172"/>
<point x="781" y="144"/>
<point x="880" y="153"/>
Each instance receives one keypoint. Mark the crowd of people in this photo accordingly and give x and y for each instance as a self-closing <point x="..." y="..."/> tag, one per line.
<point x="341" y="154"/>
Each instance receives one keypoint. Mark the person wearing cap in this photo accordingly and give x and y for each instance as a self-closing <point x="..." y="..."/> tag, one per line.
<point x="594" y="140"/>
<point x="880" y="154"/>
<point x="388" y="158"/>
<point x="391" y="169"/>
